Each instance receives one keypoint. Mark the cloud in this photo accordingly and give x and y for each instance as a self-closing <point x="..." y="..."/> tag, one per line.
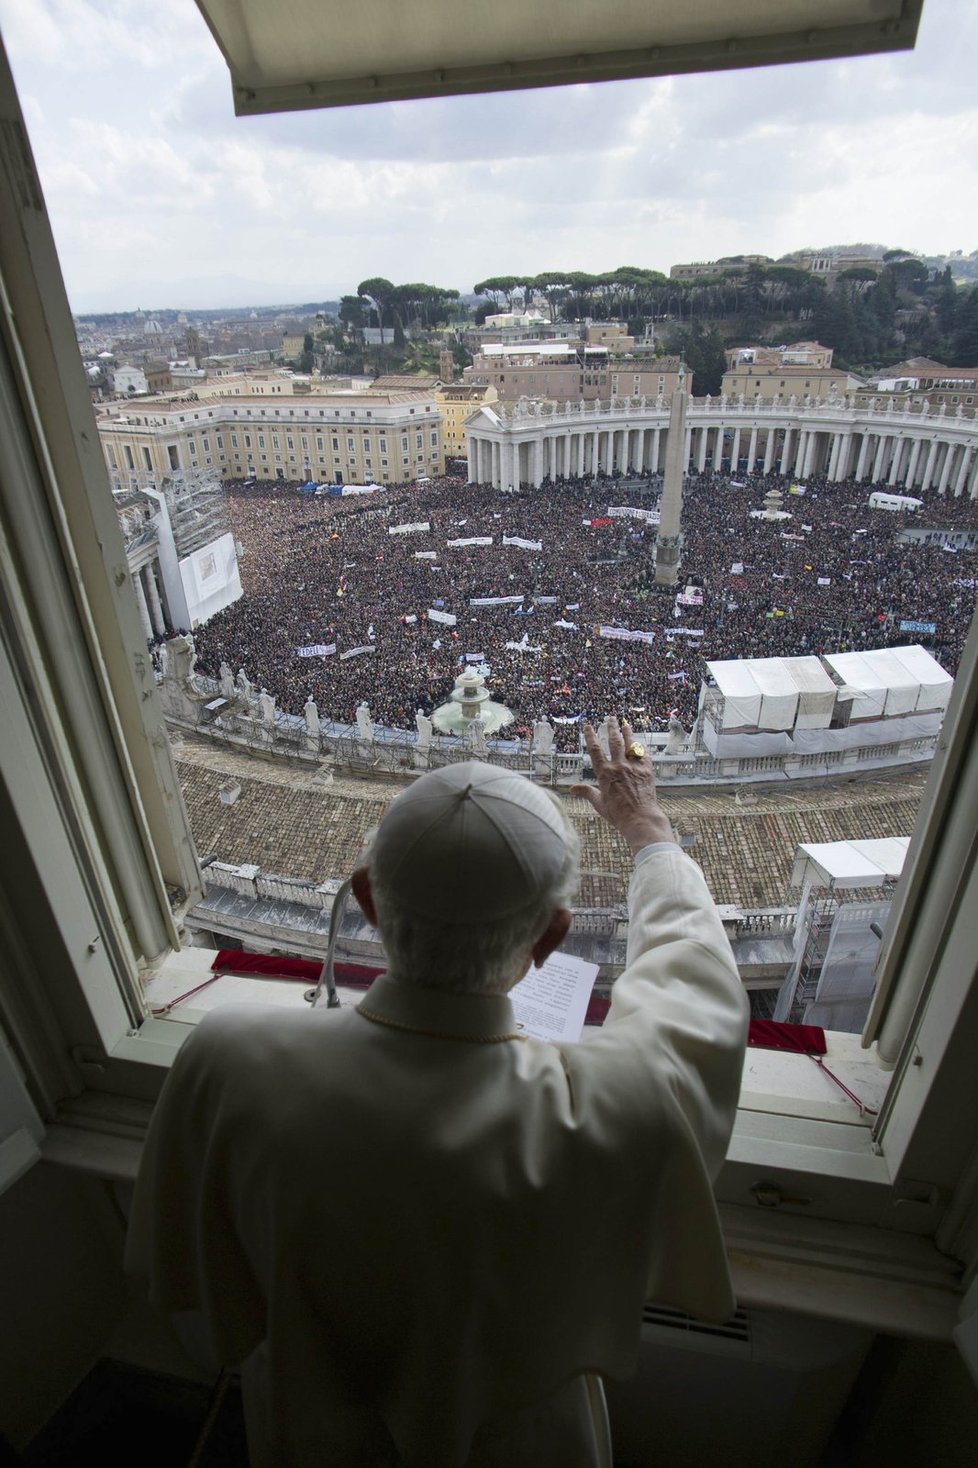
<point x="150" y="178"/>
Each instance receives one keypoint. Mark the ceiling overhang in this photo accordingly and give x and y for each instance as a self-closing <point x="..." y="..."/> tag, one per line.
<point x="285" y="55"/>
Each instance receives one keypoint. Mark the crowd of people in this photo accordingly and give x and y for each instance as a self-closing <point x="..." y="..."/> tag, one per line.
<point x="328" y="572"/>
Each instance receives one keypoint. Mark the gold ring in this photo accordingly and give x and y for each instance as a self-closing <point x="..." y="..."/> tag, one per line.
<point x="635" y="750"/>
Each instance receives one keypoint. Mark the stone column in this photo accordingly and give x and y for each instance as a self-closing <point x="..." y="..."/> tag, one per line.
<point x="473" y="455"/>
<point x="972" y="485"/>
<point x="752" y="450"/>
<point x="701" y="449"/>
<point x="912" y="466"/>
<point x="735" y="452"/>
<point x="786" y="460"/>
<point x="880" y="456"/>
<point x="894" y="473"/>
<point x="516" y="471"/>
<point x="961" y="477"/>
<point x="811" y="452"/>
<point x="155" y="605"/>
<point x="656" y="443"/>
<point x="945" y="469"/>
<point x="718" y="449"/>
<point x="834" y="455"/>
<point x="772" y="434"/>
<point x="137" y="587"/>
<point x="845" y="456"/>
<point x="538" y="461"/>
<point x="861" y="460"/>
<point x="929" y="465"/>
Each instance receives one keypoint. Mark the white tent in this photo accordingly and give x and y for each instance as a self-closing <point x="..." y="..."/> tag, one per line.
<point x="816" y="692"/>
<point x="849" y="863"/>
<point x="774" y="693"/>
<point x="934" y="685"/>
<point x="888" y="681"/>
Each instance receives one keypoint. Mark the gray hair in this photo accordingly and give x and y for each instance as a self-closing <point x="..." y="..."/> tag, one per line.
<point x="469" y="958"/>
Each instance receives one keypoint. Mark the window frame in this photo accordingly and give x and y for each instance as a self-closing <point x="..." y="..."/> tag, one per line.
<point x="94" y="740"/>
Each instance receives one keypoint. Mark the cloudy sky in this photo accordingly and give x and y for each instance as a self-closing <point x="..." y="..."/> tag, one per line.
<point x="161" y="197"/>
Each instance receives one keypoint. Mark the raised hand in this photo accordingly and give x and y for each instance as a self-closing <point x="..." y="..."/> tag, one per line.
<point x="625" y="795"/>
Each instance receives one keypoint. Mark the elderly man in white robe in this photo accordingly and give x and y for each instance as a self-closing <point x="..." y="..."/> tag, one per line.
<point x="424" y="1236"/>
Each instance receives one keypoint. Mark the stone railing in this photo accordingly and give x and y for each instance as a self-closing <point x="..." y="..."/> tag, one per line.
<point x="709" y="410"/>
<point x="196" y="703"/>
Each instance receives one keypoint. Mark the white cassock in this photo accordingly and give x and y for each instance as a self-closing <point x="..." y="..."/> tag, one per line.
<point x="427" y="1236"/>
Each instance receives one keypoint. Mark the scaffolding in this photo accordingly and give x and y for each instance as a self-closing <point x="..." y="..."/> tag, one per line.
<point x="198" y="510"/>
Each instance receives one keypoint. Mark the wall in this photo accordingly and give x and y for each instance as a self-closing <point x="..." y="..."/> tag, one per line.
<point x="210" y="579"/>
<point x="62" y="1289"/>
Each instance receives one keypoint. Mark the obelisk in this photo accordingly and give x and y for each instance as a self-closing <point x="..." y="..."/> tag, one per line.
<point x="669" y="540"/>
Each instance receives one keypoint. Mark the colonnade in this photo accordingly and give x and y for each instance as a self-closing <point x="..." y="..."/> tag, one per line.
<point x="913" y="450"/>
<point x="148" y="600"/>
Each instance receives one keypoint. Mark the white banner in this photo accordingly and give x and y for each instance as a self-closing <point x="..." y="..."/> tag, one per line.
<point x="650" y="516"/>
<point x="737" y="568"/>
<point x="523" y="645"/>
<point x="523" y="544"/>
<point x="354" y="652"/>
<point x="472" y="540"/>
<point x="544" y="601"/>
<point x="409" y="528"/>
<point x="571" y="626"/>
<point x="411" y="617"/>
<point x="316" y="650"/>
<point x="448" y="618"/>
<point x="495" y="601"/>
<point x="690" y="598"/>
<point x="683" y="632"/>
<point x="475" y="657"/>
<point x="426" y="555"/>
<point x="823" y="581"/>
<point x="625" y="634"/>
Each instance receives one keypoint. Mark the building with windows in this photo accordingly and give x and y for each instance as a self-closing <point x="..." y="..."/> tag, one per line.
<point x="570" y="371"/>
<point x="786" y="376"/>
<point x="331" y="437"/>
<point x="457" y="401"/>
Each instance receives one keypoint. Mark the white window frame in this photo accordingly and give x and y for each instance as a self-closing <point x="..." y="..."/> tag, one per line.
<point x="98" y="820"/>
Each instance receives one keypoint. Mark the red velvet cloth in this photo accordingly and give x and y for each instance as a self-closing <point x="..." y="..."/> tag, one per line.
<point x="769" y="1034"/>
<point x="306" y="970"/>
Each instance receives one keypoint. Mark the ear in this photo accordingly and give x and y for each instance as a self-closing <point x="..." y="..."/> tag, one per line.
<point x="552" y="936"/>
<point x="360" y="887"/>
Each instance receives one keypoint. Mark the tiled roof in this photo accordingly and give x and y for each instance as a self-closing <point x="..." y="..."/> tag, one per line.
<point x="287" y="821"/>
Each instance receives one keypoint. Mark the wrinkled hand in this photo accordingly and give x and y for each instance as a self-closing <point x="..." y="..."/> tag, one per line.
<point x="625" y="795"/>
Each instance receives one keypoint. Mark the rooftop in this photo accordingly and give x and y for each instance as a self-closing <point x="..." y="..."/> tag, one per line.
<point x="288" y="821"/>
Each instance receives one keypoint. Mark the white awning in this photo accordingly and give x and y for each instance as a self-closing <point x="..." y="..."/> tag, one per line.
<point x="741" y="695"/>
<point x="934" y="685"/>
<point x="849" y="863"/>
<point x="816" y="692"/>
<point x="891" y="680"/>
<point x="772" y="693"/>
<point x="319" y="53"/>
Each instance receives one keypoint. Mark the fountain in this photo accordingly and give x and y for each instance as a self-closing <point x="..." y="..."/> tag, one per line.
<point x="469" y="700"/>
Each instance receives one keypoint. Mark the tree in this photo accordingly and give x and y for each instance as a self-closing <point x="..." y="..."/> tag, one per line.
<point x="380" y="293"/>
<point x="553" y="285"/>
<point x="964" y="344"/>
<point x="499" y="287"/>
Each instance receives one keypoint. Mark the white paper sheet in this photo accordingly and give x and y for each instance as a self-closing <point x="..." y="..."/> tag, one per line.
<point x="550" y="1003"/>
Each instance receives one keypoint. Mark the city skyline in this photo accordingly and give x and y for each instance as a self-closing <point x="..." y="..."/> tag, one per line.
<point x="160" y="198"/>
